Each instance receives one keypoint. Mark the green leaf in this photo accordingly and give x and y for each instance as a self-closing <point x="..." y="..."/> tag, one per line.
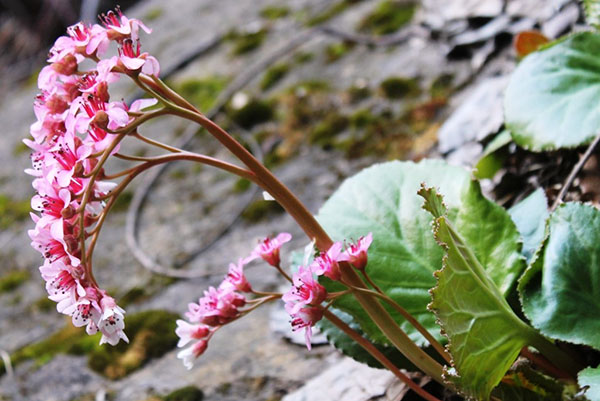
<point x="590" y="377"/>
<point x="383" y="200"/>
<point x="491" y="161"/>
<point x="592" y="11"/>
<point x="530" y="216"/>
<point x="551" y="100"/>
<point x="561" y="289"/>
<point x="484" y="335"/>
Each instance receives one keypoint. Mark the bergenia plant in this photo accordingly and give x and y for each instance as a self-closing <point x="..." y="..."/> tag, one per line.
<point x="378" y="283"/>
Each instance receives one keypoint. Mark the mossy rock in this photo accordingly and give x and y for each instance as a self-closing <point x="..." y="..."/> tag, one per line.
<point x="336" y="51"/>
<point x="387" y="17"/>
<point x="241" y="185"/>
<point x="333" y="10"/>
<point x="151" y="334"/>
<point x="188" y="393"/>
<point x="362" y="118"/>
<point x="400" y="87"/>
<point x="123" y="201"/>
<point x="323" y="133"/>
<point x="274" y="12"/>
<point x="261" y="209"/>
<point x="358" y="93"/>
<point x="274" y="75"/>
<point x="12" y="280"/>
<point x="247" y="41"/>
<point x="12" y="210"/>
<point x="442" y="86"/>
<point x="303" y="57"/>
<point x="254" y="112"/>
<point x="202" y="92"/>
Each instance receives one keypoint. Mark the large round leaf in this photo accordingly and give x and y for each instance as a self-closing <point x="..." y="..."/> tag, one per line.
<point x="383" y="200"/>
<point x="560" y="291"/>
<point x="552" y="98"/>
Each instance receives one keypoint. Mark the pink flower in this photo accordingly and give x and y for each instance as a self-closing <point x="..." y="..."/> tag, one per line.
<point x="268" y="249"/>
<point x="235" y="278"/>
<point x="306" y="318"/>
<point x="189" y="354"/>
<point x="327" y="262"/>
<point x="111" y="323"/>
<point x="119" y="27"/>
<point x="188" y="332"/>
<point x="217" y="307"/>
<point x="356" y="254"/>
<point x="305" y="290"/>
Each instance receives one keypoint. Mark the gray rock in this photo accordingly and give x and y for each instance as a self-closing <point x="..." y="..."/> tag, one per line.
<point x="479" y="115"/>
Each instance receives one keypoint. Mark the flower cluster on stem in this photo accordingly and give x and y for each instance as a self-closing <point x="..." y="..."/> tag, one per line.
<point x="74" y="131"/>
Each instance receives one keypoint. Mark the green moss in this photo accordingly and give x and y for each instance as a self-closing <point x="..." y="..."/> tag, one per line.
<point x="261" y="209"/>
<point x="188" y="393"/>
<point x="310" y="86"/>
<point x="123" y="201"/>
<point x="361" y="119"/>
<point x="12" y="280"/>
<point x="274" y="12"/>
<point x="246" y="42"/>
<point x="303" y="57"/>
<point x="331" y="12"/>
<point x="12" y="210"/>
<point x="153" y="14"/>
<point x="43" y="304"/>
<point x="43" y="351"/>
<point x="134" y="295"/>
<point x="274" y="75"/>
<point x="323" y="133"/>
<point x="255" y="111"/>
<point x="202" y="92"/>
<point x="241" y="185"/>
<point x="357" y="93"/>
<point x="336" y="51"/>
<point x="178" y="174"/>
<point x="387" y="17"/>
<point x="399" y="87"/>
<point x="442" y="86"/>
<point x="151" y="334"/>
<point x="20" y="148"/>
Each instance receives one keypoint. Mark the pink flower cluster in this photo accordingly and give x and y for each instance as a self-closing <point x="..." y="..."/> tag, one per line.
<point x="75" y="118"/>
<point x="221" y="305"/>
<point x="216" y="308"/>
<point x="304" y="298"/>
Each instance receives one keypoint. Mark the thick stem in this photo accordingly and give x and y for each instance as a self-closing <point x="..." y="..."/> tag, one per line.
<point x="414" y="322"/>
<point x="313" y="230"/>
<point x="371" y="349"/>
<point x="554" y="354"/>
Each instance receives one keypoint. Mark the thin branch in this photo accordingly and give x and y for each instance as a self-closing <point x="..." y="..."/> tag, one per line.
<point x="575" y="171"/>
<point x="371" y="349"/>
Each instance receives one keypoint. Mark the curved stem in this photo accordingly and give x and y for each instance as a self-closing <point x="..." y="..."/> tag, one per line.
<point x="133" y="172"/>
<point x="414" y="322"/>
<point x="156" y="143"/>
<point x="296" y="209"/>
<point x="575" y="171"/>
<point x="371" y="349"/>
<point x="313" y="229"/>
<point x="158" y="85"/>
<point x="553" y="353"/>
<point x="84" y="200"/>
<point x="283" y="273"/>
